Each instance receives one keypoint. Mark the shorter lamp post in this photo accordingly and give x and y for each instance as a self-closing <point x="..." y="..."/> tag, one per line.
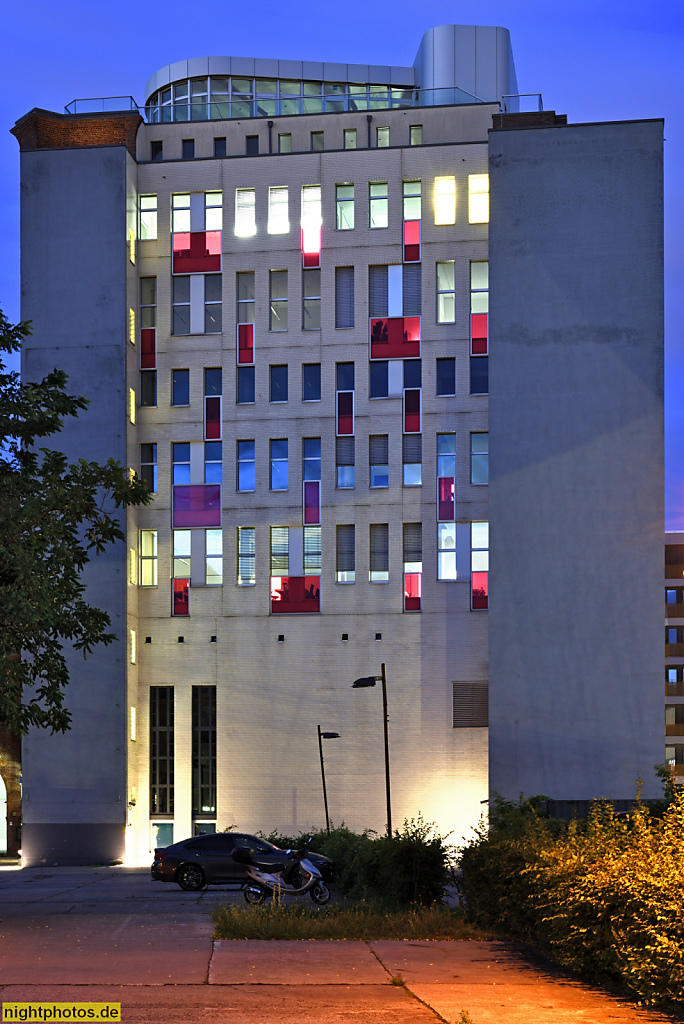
<point x="325" y="736"/>
<point x="371" y="681"/>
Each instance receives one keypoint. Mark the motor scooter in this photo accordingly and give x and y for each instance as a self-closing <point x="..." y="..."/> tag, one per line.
<point x="292" y="878"/>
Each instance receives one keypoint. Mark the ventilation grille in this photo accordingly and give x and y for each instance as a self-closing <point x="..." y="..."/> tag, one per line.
<point x="471" y="705"/>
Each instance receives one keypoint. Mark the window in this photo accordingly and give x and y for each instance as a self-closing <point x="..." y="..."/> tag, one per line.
<point x="245" y="297"/>
<point x="278" y="210"/>
<point x="213" y="462"/>
<point x="412" y="459"/>
<point x="278" y="292"/>
<point x="445" y="200"/>
<point x="148" y="323"/>
<point x="161" y="750"/>
<point x="479" y="458"/>
<point x="312" y="550"/>
<point x="188" y="150"/>
<point x="413" y="566"/>
<point x="213" y="558"/>
<point x="311" y="217"/>
<point x="212" y="304"/>
<point x="148" y="466"/>
<point x="379" y="553"/>
<point x="156" y="150"/>
<point x="279" y="465"/>
<point x="132" y="567"/>
<point x="378" y="295"/>
<point x="181" y="463"/>
<point x="479" y="327"/>
<point x="416" y="135"/>
<point x="311" y="382"/>
<point x="412" y="396"/>
<point x="131" y="326"/>
<point x="446" y="551"/>
<point x="345" y="552"/>
<point x="379" y="379"/>
<point x="245" y="385"/>
<point x="412" y="200"/>
<point x="204" y="751"/>
<point x="479" y="564"/>
<point x="280" y="550"/>
<point x="311" y="300"/>
<point x="147" y="217"/>
<point x="252" y="145"/>
<point x="213" y="390"/>
<point x="344" y="379"/>
<point x="181" y="305"/>
<point x="378" y="205"/>
<point x="148" y="558"/>
<point x="382" y="138"/>
<point x="278" y="384"/>
<point x="446" y="292"/>
<point x="245" y="212"/>
<point x="350" y="138"/>
<point x="345" y="462"/>
<point x="446" y="377"/>
<point x="220" y="146"/>
<point x="311" y="458"/>
<point x="284" y="142"/>
<point x="344" y="207"/>
<point x="180" y="387"/>
<point x="132" y="657"/>
<point x="317" y="142"/>
<point x="446" y="476"/>
<point x="180" y="212"/>
<point x="246" y="546"/>
<point x="411" y="290"/>
<point x="131" y="406"/>
<point x="246" y="476"/>
<point x="478" y="198"/>
<point x="344" y="297"/>
<point x="181" y="571"/>
<point x="479" y="375"/>
<point x="148" y="388"/>
<point x="378" y="457"/>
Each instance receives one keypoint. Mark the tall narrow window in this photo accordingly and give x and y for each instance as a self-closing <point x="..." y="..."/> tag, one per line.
<point x="379" y="553"/>
<point x="345" y="544"/>
<point x="446" y="551"/>
<point x="147" y="217"/>
<point x="213" y="558"/>
<point x="245" y="212"/>
<point x="311" y="300"/>
<point x="378" y="379"/>
<point x="213" y="211"/>
<point x="446" y="377"/>
<point x="412" y="216"/>
<point x="148" y="558"/>
<point x="246" y="474"/>
<point x="213" y="462"/>
<point x="344" y="374"/>
<point x="180" y="213"/>
<point x="161" y="750"/>
<point x="479" y="565"/>
<point x="212" y="304"/>
<point x="345" y="460"/>
<point x="413" y="566"/>
<point x="188" y="149"/>
<point x="245" y="385"/>
<point x="220" y="145"/>
<point x="350" y="138"/>
<point x="382" y="137"/>
<point x="278" y="384"/>
<point x="285" y="142"/>
<point x="148" y="466"/>
<point x="148" y="323"/>
<point x="246" y="572"/>
<point x="317" y="142"/>
<point x="181" y="463"/>
<point x="278" y="289"/>
<point x="245" y="318"/>
<point x="478" y="198"/>
<point x="181" y="305"/>
<point x="344" y="207"/>
<point x="446" y="292"/>
<point x="204" y="751"/>
<point x="311" y="225"/>
<point x="344" y="297"/>
<point x="445" y="200"/>
<point x="446" y="477"/>
<point x="180" y="387"/>
<point x="148" y="388"/>
<point x="412" y="396"/>
<point x="181" y="571"/>
<point x="311" y="481"/>
<point x="213" y="389"/>
<point x="479" y="458"/>
<point x="311" y="382"/>
<point x="251" y="145"/>
<point x="279" y="464"/>
<point x="280" y="550"/>
<point x="479" y="327"/>
<point x="412" y="459"/>
<point x="378" y="457"/>
<point x="378" y="215"/>
<point x="416" y="135"/>
<point x="278" y="210"/>
<point x="312" y="550"/>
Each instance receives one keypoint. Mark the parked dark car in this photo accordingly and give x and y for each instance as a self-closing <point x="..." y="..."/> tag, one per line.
<point x="207" y="860"/>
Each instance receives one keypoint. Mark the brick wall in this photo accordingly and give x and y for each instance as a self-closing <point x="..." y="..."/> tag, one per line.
<point x="44" y="129"/>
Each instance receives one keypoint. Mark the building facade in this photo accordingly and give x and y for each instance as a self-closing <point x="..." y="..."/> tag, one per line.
<point x="277" y="299"/>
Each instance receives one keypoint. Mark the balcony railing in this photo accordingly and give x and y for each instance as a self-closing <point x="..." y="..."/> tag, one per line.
<point x="102" y="105"/>
<point x="675" y="730"/>
<point x="674" y="650"/>
<point x="522" y="103"/>
<point x="674" y="611"/>
<point x="674" y="689"/>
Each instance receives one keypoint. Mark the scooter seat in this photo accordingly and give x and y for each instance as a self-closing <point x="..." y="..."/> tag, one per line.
<point x="272" y="869"/>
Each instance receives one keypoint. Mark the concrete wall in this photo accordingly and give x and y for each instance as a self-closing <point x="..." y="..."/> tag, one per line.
<point x="576" y="442"/>
<point x="74" y="261"/>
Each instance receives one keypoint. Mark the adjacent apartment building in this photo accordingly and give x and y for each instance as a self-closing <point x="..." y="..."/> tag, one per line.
<point x="388" y="353"/>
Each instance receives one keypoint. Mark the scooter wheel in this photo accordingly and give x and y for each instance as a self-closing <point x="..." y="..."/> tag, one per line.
<point x="320" y="893"/>
<point x="254" y="895"/>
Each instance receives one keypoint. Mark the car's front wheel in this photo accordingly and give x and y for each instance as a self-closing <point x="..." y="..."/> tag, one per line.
<point x="191" y="877"/>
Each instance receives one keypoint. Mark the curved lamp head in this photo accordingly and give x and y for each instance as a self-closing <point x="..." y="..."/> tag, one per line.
<point x="365" y="681"/>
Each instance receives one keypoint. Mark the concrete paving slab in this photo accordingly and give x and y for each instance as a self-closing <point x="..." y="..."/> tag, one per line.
<point x="482" y="963"/>
<point x="257" y="961"/>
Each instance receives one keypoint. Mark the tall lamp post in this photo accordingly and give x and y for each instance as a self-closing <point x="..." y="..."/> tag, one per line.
<point x="325" y="736"/>
<point x="371" y="681"/>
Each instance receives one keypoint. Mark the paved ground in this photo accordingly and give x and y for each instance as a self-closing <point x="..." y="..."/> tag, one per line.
<point x="110" y="934"/>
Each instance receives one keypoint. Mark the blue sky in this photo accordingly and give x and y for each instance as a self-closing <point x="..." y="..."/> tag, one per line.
<point x="594" y="60"/>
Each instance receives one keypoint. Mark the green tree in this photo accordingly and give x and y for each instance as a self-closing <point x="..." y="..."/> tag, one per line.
<point x="53" y="516"/>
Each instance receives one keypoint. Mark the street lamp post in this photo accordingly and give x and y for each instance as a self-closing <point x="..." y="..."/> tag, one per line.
<point x="371" y="681"/>
<point x="325" y="736"/>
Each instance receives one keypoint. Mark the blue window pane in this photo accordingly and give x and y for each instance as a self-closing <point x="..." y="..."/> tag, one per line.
<point x="379" y="476"/>
<point x="346" y="476"/>
<point x="479" y="375"/>
<point x="279" y="449"/>
<point x="279" y="476"/>
<point x="181" y="474"/>
<point x="311" y="382"/>
<point x="181" y="452"/>
<point x="446" y="377"/>
<point x="245" y="450"/>
<point x="245" y="385"/>
<point x="413" y="475"/>
<point x="246" y="480"/>
<point x="379" y="387"/>
<point x="345" y="376"/>
<point x="412" y="373"/>
<point x="213" y="473"/>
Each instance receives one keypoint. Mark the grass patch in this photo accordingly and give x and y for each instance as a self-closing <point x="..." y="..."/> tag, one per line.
<point x="364" y="923"/>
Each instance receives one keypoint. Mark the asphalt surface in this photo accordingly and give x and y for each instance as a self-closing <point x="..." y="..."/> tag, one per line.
<point x="111" y="934"/>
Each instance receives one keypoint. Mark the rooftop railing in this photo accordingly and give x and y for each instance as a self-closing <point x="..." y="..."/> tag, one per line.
<point x="522" y="103"/>
<point x="102" y="105"/>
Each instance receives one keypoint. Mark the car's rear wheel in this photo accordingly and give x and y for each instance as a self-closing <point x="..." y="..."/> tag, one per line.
<point x="191" y="877"/>
<point x="320" y="893"/>
<point x="254" y="894"/>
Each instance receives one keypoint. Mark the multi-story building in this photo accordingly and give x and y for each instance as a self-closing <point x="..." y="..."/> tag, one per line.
<point x="276" y="290"/>
<point x="674" y="654"/>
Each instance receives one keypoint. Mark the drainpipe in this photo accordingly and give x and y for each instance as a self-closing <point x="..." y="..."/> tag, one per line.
<point x="369" y="118"/>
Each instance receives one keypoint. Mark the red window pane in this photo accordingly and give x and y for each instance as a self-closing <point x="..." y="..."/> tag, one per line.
<point x="480" y="586"/>
<point x="181" y="603"/>
<point x="295" y="594"/>
<point x="412" y="591"/>
<point x="196" y="505"/>
<point x="478" y="334"/>
<point x="312" y="503"/>
<point x="212" y="418"/>
<point x="311" y="247"/>
<point x="345" y="412"/>
<point x="412" y="411"/>
<point x="445" y="487"/>
<point x="196" y="252"/>
<point x="148" y="349"/>
<point x="411" y="241"/>
<point x="213" y="243"/>
<point x="245" y="344"/>
<point x="395" y="337"/>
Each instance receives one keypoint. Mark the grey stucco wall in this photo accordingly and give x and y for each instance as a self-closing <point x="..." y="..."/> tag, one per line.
<point x="73" y="241"/>
<point x="576" y="442"/>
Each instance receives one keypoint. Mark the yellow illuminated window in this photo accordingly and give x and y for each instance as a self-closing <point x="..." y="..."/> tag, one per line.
<point x="132" y="566"/>
<point x="131" y="405"/>
<point x="131" y="245"/>
<point x="278" y="215"/>
<point x="245" y="212"/>
<point x="131" y="475"/>
<point x="131" y="326"/>
<point x="445" y="200"/>
<point x="133" y="653"/>
<point x="478" y="198"/>
<point x="134" y="736"/>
